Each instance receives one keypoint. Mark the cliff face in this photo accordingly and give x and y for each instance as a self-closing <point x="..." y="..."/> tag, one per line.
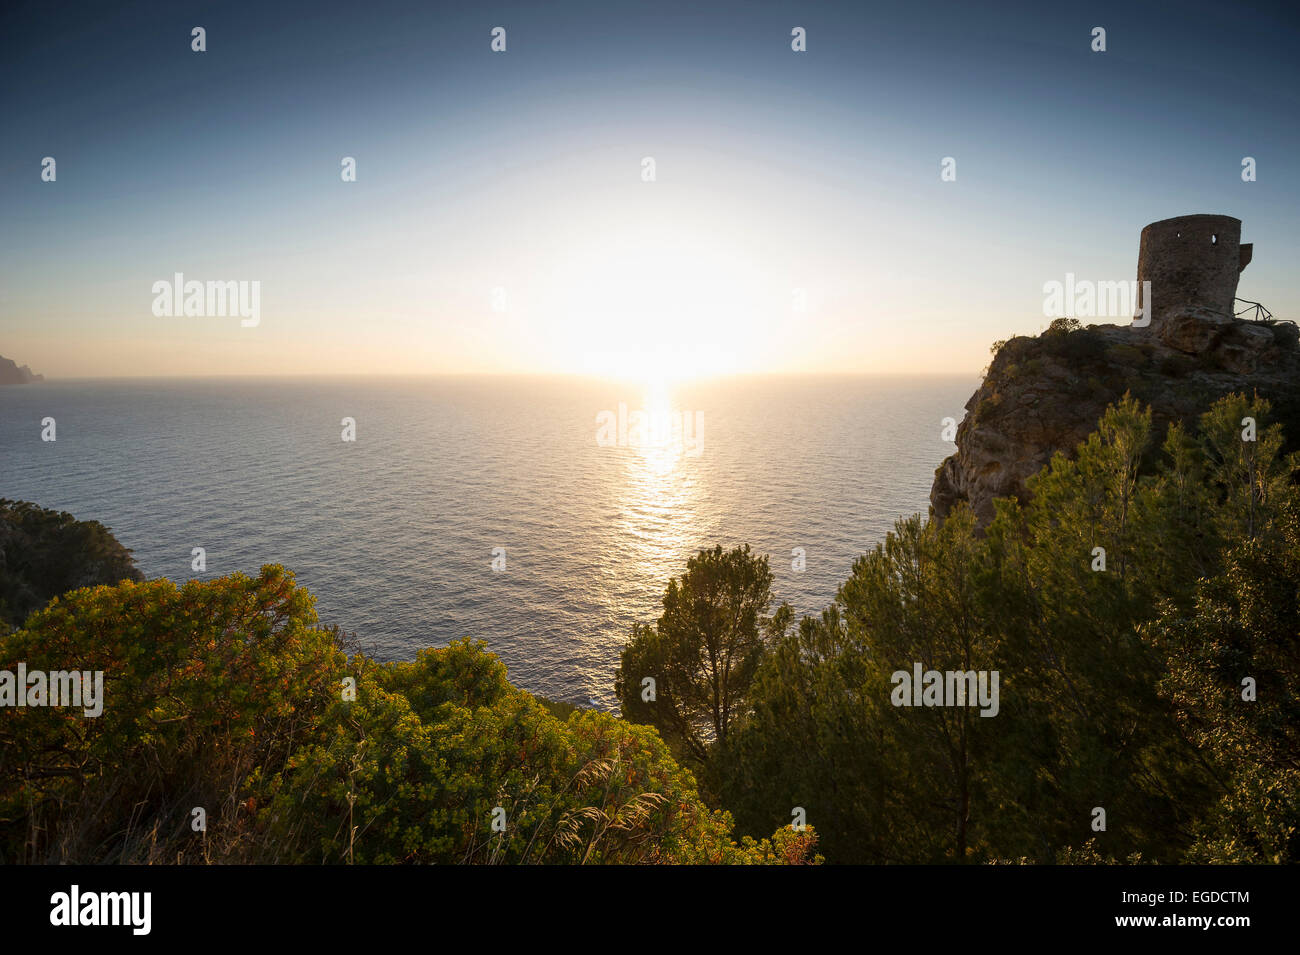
<point x="11" y="373"/>
<point x="1046" y="393"/>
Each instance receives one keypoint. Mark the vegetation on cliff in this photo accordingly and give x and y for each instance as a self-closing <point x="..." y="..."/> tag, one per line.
<point x="44" y="553"/>
<point x="1145" y="622"/>
<point x="226" y="701"/>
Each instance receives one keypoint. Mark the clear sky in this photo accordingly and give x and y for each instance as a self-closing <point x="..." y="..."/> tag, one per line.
<point x="522" y="170"/>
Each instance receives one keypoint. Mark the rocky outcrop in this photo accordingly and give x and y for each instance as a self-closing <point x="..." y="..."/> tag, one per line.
<point x="1046" y="393"/>
<point x="12" y="373"/>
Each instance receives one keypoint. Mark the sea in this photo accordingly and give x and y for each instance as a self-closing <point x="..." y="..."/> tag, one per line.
<point x="543" y="515"/>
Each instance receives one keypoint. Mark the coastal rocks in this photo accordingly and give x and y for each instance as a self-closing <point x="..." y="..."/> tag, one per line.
<point x="1236" y="346"/>
<point x="1046" y="394"/>
<point x="1193" y="330"/>
<point x="1247" y="347"/>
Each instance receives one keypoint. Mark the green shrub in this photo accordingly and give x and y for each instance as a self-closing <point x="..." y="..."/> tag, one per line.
<point x="227" y="695"/>
<point x="202" y="684"/>
<point x="1063" y="326"/>
<point x="442" y="761"/>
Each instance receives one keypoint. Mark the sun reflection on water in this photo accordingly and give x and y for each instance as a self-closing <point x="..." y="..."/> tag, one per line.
<point x="659" y="495"/>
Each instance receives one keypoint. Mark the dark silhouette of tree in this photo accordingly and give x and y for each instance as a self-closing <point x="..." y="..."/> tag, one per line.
<point x="703" y="652"/>
<point x="45" y="553"/>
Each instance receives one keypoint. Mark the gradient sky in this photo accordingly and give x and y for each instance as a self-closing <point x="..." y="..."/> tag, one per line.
<point x="776" y="171"/>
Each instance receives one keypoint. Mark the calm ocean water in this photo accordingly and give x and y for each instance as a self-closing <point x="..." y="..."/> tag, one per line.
<point x="394" y="533"/>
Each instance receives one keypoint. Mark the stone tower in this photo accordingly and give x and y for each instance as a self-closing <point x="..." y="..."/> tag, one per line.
<point x="1192" y="263"/>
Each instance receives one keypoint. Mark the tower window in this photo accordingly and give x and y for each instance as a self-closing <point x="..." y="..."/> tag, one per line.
<point x="1214" y="239"/>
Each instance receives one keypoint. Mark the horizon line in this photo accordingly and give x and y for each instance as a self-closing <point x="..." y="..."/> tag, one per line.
<point x="635" y="379"/>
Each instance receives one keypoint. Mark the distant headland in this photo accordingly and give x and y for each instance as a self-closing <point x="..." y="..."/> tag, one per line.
<point x="12" y="373"/>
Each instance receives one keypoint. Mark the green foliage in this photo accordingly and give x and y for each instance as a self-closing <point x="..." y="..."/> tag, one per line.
<point x="417" y="769"/>
<point x="1070" y="343"/>
<point x="1250" y="474"/>
<point x="1063" y="326"/>
<point x="703" y="652"/>
<point x="228" y="695"/>
<point x="44" y="553"/>
<point x="1244" y="626"/>
<point x="1085" y="727"/>
<point x="884" y="784"/>
<point x="810" y="722"/>
<point x="1120" y="687"/>
<point x="202" y="684"/>
<point x="1089" y="854"/>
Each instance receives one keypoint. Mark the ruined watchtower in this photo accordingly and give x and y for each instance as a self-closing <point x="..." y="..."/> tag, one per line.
<point x="1192" y="263"/>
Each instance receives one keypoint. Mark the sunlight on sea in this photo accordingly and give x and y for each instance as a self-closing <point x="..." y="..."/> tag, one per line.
<point x="394" y="533"/>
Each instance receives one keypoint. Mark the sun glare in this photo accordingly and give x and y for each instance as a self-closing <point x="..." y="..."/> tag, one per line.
<point x="657" y="307"/>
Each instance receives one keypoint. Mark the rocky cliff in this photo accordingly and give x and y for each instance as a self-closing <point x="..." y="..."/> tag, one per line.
<point x="1046" y="393"/>
<point x="11" y="373"/>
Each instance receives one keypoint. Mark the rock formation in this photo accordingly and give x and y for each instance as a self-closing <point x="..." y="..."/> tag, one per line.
<point x="1046" y="393"/>
<point x="11" y="373"/>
